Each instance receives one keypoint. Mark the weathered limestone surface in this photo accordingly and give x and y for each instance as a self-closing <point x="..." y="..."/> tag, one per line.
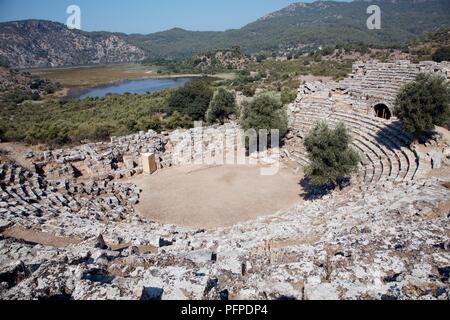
<point x="149" y="163"/>
<point x="391" y="243"/>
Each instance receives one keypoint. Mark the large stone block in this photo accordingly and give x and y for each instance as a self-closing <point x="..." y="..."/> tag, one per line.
<point x="128" y="162"/>
<point x="149" y="163"/>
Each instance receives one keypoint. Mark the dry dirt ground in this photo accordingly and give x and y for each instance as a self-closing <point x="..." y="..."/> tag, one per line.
<point x="16" y="152"/>
<point x="213" y="197"/>
<point x="51" y="240"/>
<point x="33" y="236"/>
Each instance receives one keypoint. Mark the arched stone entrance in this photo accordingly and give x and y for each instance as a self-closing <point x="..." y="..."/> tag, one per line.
<point x="382" y="111"/>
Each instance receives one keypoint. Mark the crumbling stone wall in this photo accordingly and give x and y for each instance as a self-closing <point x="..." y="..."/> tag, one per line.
<point x="118" y="158"/>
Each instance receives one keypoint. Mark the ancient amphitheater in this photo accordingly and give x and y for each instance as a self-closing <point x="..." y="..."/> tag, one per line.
<point x="71" y="228"/>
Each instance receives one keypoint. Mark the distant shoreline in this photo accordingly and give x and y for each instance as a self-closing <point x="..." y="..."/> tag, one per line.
<point x="80" y="92"/>
<point x="87" y="77"/>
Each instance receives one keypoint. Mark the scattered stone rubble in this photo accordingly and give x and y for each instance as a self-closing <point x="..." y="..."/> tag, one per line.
<point x="390" y="244"/>
<point x="118" y="158"/>
<point x="386" y="237"/>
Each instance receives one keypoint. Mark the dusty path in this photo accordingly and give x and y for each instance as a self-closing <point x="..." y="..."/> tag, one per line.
<point x="50" y="240"/>
<point x="16" y="152"/>
<point x="212" y="197"/>
<point x="38" y="237"/>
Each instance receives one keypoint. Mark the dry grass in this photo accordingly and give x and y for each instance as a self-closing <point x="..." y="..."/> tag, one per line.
<point x="95" y="75"/>
<point x="81" y="77"/>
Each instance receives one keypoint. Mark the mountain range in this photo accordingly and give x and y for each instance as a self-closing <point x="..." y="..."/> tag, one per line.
<point x="37" y="43"/>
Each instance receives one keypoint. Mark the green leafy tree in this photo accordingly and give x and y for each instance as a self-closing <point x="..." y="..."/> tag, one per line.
<point x="4" y="62"/>
<point x="247" y="90"/>
<point x="330" y="154"/>
<point x="423" y="103"/>
<point x="288" y="96"/>
<point x="265" y="111"/>
<point x="261" y="57"/>
<point x="151" y="123"/>
<point x="192" y="100"/>
<point x="442" y="54"/>
<point x="177" y="121"/>
<point x="222" y="105"/>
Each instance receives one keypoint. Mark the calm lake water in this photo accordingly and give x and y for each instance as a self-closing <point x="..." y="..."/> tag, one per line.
<point x="131" y="86"/>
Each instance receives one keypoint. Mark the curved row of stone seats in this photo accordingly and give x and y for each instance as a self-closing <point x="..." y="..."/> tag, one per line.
<point x="316" y="101"/>
<point x="384" y="146"/>
<point x="372" y="166"/>
<point x="390" y="136"/>
<point x="375" y="148"/>
<point x="28" y="197"/>
<point x="380" y="80"/>
<point x="392" y="140"/>
<point x="393" y="165"/>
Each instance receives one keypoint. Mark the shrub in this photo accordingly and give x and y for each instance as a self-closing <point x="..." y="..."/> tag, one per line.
<point x="442" y="54"/>
<point x="331" y="157"/>
<point x="288" y="96"/>
<point x="327" y="51"/>
<point x="102" y="132"/>
<point x="317" y="56"/>
<point x="192" y="100"/>
<point x="94" y="119"/>
<point x="261" y="57"/>
<point x="247" y="90"/>
<point x="151" y="123"/>
<point x="4" y="62"/>
<point x="266" y="111"/>
<point x="423" y="103"/>
<point x="222" y="105"/>
<point x="53" y="134"/>
<point x="178" y="121"/>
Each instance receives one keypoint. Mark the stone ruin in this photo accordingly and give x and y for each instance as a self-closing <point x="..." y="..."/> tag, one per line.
<point x="375" y="83"/>
<point x="386" y="237"/>
<point x="119" y="158"/>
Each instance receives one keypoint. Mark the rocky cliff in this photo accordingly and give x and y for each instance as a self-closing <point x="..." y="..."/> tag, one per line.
<point x="39" y="44"/>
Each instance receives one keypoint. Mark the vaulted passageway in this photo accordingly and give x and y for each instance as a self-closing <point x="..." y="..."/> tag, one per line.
<point x="383" y="111"/>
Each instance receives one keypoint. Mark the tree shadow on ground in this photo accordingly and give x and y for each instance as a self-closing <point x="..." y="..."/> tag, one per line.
<point x="152" y="294"/>
<point x="429" y="136"/>
<point x="393" y="137"/>
<point x="312" y="192"/>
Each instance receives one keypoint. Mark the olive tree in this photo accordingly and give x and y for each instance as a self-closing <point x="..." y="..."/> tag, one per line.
<point x="330" y="154"/>
<point x="423" y="103"/>
<point x="222" y="105"/>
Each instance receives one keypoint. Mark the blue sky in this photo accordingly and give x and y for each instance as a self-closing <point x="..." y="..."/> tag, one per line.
<point x="146" y="16"/>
